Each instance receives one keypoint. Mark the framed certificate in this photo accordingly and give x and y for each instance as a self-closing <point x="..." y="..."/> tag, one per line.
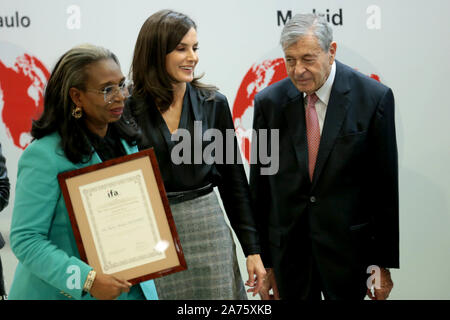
<point x="121" y="218"/>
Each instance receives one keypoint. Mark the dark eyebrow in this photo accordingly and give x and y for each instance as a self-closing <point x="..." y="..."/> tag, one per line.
<point x="110" y="83"/>
<point x="305" y="56"/>
<point x="185" y="44"/>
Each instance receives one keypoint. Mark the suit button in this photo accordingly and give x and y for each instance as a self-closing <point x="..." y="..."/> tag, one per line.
<point x="312" y="199"/>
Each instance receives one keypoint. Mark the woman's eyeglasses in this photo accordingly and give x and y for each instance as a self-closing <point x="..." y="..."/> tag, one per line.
<point x="111" y="92"/>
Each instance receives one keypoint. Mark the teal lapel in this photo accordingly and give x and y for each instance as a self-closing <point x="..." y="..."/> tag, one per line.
<point x="129" y="149"/>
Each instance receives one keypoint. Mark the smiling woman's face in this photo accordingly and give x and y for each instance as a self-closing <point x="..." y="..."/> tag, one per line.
<point x="181" y="62"/>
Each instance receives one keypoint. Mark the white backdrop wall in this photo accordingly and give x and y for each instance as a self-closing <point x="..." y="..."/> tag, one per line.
<point x="404" y="43"/>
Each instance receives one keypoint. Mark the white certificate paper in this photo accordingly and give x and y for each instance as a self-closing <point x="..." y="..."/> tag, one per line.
<point x="122" y="222"/>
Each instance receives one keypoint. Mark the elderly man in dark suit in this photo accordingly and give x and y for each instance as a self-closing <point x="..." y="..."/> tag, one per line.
<point x="329" y="217"/>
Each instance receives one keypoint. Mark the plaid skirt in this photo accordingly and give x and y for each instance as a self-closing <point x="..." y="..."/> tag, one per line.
<point x="212" y="267"/>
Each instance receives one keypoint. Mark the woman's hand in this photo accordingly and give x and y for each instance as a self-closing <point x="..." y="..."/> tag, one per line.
<point x="256" y="273"/>
<point x="108" y="287"/>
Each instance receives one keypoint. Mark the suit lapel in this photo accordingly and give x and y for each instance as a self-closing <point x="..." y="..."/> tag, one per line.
<point x="294" y="113"/>
<point x="128" y="149"/>
<point x="336" y="112"/>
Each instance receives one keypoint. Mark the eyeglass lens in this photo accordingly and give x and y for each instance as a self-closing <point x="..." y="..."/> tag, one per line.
<point x="112" y="91"/>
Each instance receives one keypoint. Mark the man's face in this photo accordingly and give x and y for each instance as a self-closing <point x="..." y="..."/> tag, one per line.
<point x="307" y="64"/>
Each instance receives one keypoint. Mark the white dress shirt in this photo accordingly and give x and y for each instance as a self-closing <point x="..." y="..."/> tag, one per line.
<point x="324" y="96"/>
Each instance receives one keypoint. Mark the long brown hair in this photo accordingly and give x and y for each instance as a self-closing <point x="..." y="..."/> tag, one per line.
<point x="159" y="35"/>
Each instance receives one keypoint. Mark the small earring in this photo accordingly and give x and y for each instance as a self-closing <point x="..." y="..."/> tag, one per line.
<point x="77" y="112"/>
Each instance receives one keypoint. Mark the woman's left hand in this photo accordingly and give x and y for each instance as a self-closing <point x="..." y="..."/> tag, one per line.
<point x="256" y="273"/>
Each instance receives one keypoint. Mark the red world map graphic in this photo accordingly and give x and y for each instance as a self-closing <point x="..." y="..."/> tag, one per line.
<point x="22" y="88"/>
<point x="257" y="78"/>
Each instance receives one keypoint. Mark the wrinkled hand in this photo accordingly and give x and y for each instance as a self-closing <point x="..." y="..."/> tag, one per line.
<point x="268" y="284"/>
<point x="108" y="287"/>
<point x="256" y="273"/>
<point x="386" y="286"/>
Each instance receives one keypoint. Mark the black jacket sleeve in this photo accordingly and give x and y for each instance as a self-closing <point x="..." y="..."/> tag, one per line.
<point x="385" y="184"/>
<point x="260" y="188"/>
<point x="4" y="182"/>
<point x="234" y="189"/>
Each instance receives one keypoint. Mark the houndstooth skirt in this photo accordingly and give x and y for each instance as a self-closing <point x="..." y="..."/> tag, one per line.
<point x="210" y="253"/>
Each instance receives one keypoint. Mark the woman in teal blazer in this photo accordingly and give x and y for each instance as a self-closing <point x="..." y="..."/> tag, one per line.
<point x="81" y="125"/>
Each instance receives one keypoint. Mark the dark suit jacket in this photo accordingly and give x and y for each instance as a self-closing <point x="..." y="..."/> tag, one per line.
<point x="4" y="182"/>
<point x="4" y="198"/>
<point x="346" y="218"/>
<point x="232" y="181"/>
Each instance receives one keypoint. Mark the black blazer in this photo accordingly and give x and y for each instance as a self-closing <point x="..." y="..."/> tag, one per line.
<point x="4" y="198"/>
<point x="346" y="219"/>
<point x="232" y="181"/>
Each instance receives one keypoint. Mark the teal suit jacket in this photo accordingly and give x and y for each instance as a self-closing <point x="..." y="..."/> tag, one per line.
<point x="41" y="234"/>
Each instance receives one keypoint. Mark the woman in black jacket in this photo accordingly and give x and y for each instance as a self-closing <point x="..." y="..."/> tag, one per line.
<point x="171" y="105"/>
<point x="4" y="198"/>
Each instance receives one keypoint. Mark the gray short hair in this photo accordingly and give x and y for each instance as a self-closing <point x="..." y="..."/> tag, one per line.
<point x="304" y="24"/>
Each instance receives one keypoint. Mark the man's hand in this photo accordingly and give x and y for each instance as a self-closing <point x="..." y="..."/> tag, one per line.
<point x="386" y="286"/>
<point x="269" y="283"/>
<point x="256" y="273"/>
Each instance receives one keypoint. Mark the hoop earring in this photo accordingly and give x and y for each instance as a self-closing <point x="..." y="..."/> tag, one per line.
<point x="77" y="112"/>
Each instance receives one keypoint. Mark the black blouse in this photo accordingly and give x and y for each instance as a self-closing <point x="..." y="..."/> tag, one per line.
<point x="200" y="112"/>
<point x="189" y="174"/>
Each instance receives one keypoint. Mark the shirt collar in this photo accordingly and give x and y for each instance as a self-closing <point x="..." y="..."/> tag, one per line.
<point x="324" y="91"/>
